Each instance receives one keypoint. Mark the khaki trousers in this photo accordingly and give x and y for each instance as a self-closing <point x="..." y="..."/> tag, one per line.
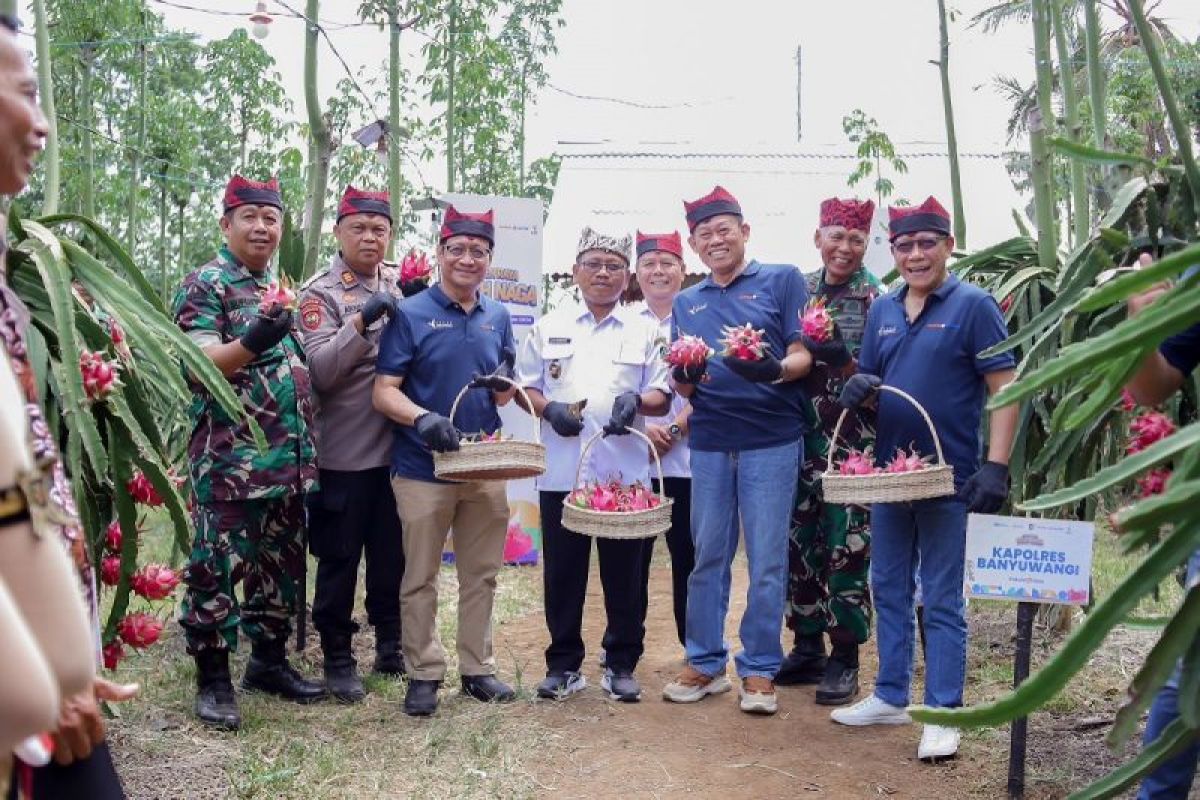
<point x="478" y="514"/>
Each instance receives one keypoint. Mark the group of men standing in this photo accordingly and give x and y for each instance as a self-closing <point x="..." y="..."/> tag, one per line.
<point x="383" y="362"/>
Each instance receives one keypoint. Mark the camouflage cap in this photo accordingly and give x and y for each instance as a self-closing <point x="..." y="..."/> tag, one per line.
<point x="594" y="240"/>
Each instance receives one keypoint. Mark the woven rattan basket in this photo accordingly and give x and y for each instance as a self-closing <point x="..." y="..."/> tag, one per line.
<point x="644" y="524"/>
<point x="507" y="459"/>
<point x="900" y="487"/>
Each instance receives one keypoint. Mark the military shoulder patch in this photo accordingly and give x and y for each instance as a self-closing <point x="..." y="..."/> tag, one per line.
<point x="310" y="314"/>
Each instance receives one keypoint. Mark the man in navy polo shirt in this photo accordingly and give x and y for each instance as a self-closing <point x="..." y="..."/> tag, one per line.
<point x="445" y="338"/>
<point x="924" y="338"/>
<point x="745" y="439"/>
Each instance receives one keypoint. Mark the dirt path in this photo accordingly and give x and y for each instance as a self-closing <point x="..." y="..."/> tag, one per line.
<point x="605" y="749"/>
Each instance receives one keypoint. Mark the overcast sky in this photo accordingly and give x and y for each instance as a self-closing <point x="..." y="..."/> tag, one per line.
<point x="725" y="71"/>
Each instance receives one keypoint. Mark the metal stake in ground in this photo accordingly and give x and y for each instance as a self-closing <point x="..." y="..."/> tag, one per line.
<point x="1019" y="730"/>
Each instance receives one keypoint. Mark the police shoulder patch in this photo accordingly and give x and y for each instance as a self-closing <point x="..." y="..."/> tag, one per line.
<point x="310" y="314"/>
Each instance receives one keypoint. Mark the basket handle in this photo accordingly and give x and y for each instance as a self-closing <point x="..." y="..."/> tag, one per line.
<point x="937" y="442"/>
<point x="537" y="428"/>
<point x="662" y="484"/>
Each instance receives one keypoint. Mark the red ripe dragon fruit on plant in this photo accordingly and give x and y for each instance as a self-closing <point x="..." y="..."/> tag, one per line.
<point x="688" y="351"/>
<point x="142" y="490"/>
<point x="112" y="537"/>
<point x="415" y="267"/>
<point x="113" y="652"/>
<point x="907" y="462"/>
<point x="277" y="293"/>
<point x="858" y="462"/>
<point x="1148" y="429"/>
<point x="139" y="630"/>
<point x="154" y="582"/>
<point x="1154" y="482"/>
<point x="816" y="322"/>
<point x="110" y="570"/>
<point x="743" y="342"/>
<point x="1127" y="402"/>
<point x="98" y="373"/>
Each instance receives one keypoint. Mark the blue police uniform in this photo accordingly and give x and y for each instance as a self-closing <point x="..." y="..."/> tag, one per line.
<point x="935" y="359"/>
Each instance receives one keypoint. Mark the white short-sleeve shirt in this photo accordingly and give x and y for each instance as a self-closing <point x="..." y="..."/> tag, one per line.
<point x="676" y="463"/>
<point x="568" y="356"/>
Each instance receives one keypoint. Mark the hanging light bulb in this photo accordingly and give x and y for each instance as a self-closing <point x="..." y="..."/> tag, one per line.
<point x="261" y="20"/>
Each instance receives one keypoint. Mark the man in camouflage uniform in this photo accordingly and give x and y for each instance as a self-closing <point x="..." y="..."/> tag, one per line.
<point x="829" y="553"/>
<point x="342" y="313"/>
<point x="249" y="505"/>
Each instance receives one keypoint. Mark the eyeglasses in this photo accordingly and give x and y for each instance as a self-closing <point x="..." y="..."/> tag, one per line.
<point x="477" y="253"/>
<point x="924" y="244"/>
<point x="609" y="266"/>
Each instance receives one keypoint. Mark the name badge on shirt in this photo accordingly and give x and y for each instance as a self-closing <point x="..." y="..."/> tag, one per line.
<point x="560" y="340"/>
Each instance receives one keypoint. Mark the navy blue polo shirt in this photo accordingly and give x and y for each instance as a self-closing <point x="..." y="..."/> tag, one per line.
<point x="1182" y="351"/>
<point x="437" y="347"/>
<point x="935" y="359"/>
<point x="729" y="412"/>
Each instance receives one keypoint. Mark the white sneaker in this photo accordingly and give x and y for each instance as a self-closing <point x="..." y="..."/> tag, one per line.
<point x="870" y="711"/>
<point x="758" y="702"/>
<point x="692" y="686"/>
<point x="938" y="741"/>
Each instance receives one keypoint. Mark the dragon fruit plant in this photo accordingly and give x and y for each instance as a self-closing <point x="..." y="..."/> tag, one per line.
<point x="743" y="342"/>
<point x="614" y="497"/>
<point x="688" y="351"/>
<point x="816" y="322"/>
<point x="1148" y="429"/>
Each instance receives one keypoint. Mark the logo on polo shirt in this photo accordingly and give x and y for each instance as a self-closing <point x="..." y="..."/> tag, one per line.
<point x="888" y="330"/>
<point x="438" y="324"/>
<point x="937" y="326"/>
<point x="749" y="296"/>
<point x="697" y="309"/>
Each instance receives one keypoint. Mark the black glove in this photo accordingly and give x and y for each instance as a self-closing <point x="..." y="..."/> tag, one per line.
<point x="833" y="352"/>
<point x="266" y="332"/>
<point x="561" y="419"/>
<point x="858" y="389"/>
<point x="409" y="288"/>
<point x="986" y="490"/>
<point x="624" y="409"/>
<point x="377" y="305"/>
<point x="765" y="370"/>
<point x="689" y="374"/>
<point x="437" y="432"/>
<point x="496" y="380"/>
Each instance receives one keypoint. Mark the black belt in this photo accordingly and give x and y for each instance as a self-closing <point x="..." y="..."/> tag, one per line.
<point x="13" y="506"/>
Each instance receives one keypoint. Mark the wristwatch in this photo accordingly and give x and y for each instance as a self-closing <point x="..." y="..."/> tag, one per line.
<point x="675" y="430"/>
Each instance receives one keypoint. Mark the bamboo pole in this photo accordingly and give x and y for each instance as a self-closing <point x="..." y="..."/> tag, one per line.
<point x="943" y="64"/>
<point x="1081" y="222"/>
<point x="87" y="57"/>
<point x="1041" y="126"/>
<point x="135" y="155"/>
<point x="395" y="189"/>
<point x="451" y="61"/>
<point x="50" y="159"/>
<point x="1183" y="133"/>
<point x="321" y="149"/>
<point x="1095" y="73"/>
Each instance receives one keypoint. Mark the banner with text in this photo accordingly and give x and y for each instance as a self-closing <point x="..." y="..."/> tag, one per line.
<point x="1028" y="560"/>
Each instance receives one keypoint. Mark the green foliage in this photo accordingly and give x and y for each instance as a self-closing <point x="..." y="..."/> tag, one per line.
<point x="874" y="151"/>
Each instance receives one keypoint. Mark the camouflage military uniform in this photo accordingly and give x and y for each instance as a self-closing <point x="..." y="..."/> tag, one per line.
<point x="830" y="547"/>
<point x="249" y="511"/>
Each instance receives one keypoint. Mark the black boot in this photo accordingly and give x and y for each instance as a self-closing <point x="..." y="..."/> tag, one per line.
<point x="216" y="704"/>
<point x="341" y="673"/>
<point x="805" y="664"/>
<point x="421" y="700"/>
<point x="840" y="684"/>
<point x="388" y="658"/>
<point x="269" y="671"/>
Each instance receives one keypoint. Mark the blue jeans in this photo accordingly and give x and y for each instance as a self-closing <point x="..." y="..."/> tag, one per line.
<point x="757" y="486"/>
<point x="1173" y="778"/>
<point x="928" y="536"/>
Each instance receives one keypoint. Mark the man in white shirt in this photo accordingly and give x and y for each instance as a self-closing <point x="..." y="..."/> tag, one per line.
<point x="660" y="272"/>
<point x="589" y="368"/>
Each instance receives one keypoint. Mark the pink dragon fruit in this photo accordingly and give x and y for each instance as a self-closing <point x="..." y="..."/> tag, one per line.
<point x="139" y="630"/>
<point x="98" y="373"/>
<point x="743" y="342"/>
<point x="142" y="490"/>
<point x="415" y="267"/>
<point x="816" y="322"/>
<point x="639" y="498"/>
<point x="603" y="498"/>
<point x="112" y="537"/>
<point x="858" y="462"/>
<point x="1006" y="304"/>
<point x="1127" y="402"/>
<point x="688" y="351"/>
<point x="110" y="570"/>
<point x="113" y="652"/>
<point x="154" y="582"/>
<point x="1154" y="482"/>
<point x="1148" y="429"/>
<point x="907" y="462"/>
<point x="277" y="294"/>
